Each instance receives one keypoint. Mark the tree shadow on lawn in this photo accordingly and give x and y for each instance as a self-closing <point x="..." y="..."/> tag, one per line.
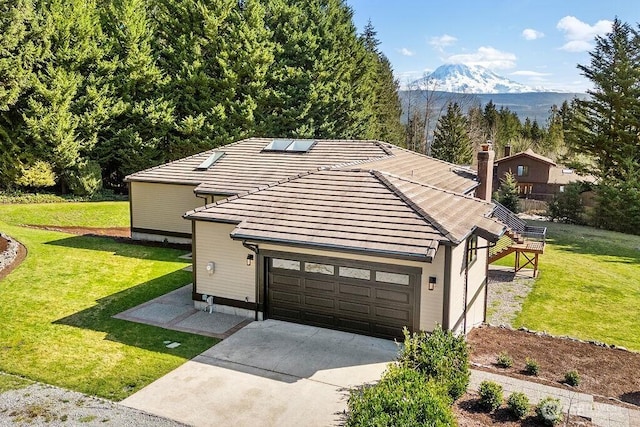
<point x="99" y="318"/>
<point x="123" y="247"/>
<point x="622" y="255"/>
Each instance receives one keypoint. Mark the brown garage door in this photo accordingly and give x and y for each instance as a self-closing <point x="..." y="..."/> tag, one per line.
<point x="366" y="298"/>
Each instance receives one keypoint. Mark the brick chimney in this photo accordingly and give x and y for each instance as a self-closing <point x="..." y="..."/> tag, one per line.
<point x="486" y="155"/>
<point x="507" y="150"/>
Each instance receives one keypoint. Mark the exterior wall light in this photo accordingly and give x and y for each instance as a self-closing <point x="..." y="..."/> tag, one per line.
<point x="432" y="283"/>
<point x="211" y="267"/>
<point x="249" y="259"/>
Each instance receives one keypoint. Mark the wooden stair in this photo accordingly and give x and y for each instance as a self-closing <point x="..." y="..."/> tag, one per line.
<point x="527" y="242"/>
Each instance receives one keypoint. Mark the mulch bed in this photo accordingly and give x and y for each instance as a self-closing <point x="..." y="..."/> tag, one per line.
<point x="610" y="374"/>
<point x="469" y="414"/>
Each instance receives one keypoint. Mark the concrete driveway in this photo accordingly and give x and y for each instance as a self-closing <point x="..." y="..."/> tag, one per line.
<point x="268" y="373"/>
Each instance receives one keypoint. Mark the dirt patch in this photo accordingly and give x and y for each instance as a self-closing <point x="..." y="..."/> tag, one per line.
<point x="87" y="231"/>
<point x="469" y="414"/>
<point x="609" y="374"/>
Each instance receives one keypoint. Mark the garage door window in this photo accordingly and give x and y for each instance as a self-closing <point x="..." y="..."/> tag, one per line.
<point x="312" y="267"/>
<point x="285" y="264"/>
<point x="396" y="278"/>
<point x="355" y="273"/>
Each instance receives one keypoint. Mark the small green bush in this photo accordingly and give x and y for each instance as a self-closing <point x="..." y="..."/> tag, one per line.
<point x="490" y="395"/>
<point x="572" y="378"/>
<point x="401" y="398"/>
<point x="85" y="179"/>
<point x="518" y="404"/>
<point x="549" y="411"/>
<point x="504" y="360"/>
<point x="38" y="175"/>
<point x="439" y="355"/>
<point x="531" y="367"/>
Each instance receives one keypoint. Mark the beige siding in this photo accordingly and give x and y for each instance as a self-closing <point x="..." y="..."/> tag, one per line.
<point x="430" y="301"/>
<point x="161" y="206"/>
<point x="476" y="278"/>
<point x="477" y="288"/>
<point x="232" y="277"/>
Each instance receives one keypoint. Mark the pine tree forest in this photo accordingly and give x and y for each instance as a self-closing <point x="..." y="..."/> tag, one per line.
<point x="93" y="90"/>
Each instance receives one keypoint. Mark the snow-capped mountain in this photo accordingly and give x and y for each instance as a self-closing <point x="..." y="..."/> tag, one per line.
<point x="462" y="78"/>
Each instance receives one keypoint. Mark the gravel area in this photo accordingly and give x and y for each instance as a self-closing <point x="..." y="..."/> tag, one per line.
<point x="45" y="405"/>
<point x="506" y="293"/>
<point x="8" y="250"/>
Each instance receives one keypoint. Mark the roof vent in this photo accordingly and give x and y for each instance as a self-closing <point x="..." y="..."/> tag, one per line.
<point x="290" y="145"/>
<point x="210" y="161"/>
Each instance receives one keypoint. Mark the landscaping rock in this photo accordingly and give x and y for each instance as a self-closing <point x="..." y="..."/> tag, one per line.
<point x="10" y="253"/>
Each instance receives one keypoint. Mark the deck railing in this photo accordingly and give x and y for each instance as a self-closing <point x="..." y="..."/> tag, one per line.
<point x="538" y="234"/>
<point x="508" y="218"/>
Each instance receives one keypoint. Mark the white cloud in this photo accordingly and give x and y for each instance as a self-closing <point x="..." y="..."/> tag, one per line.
<point x="529" y="73"/>
<point x="442" y="41"/>
<point x="531" y="34"/>
<point x="485" y="56"/>
<point x="406" y="52"/>
<point x="579" y="35"/>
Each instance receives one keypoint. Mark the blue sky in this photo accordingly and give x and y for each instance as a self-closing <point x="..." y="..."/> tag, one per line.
<point x="534" y="42"/>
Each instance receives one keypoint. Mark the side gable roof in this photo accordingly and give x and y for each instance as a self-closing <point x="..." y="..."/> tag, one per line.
<point x="245" y="166"/>
<point x="359" y="210"/>
<point x="528" y="153"/>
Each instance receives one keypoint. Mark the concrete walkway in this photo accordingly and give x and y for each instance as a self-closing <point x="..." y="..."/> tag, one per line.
<point x="576" y="403"/>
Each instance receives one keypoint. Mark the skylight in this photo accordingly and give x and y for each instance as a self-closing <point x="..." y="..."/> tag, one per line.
<point x="290" y="145"/>
<point x="210" y="161"/>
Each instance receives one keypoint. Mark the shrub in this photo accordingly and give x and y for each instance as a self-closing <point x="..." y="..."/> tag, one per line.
<point x="549" y="411"/>
<point x="490" y="395"/>
<point x="86" y="179"/>
<point x="531" y="367"/>
<point x="504" y="360"/>
<point x="39" y="175"/>
<point x="401" y="397"/>
<point x="439" y="355"/>
<point x="572" y="378"/>
<point x="518" y="404"/>
<point x="567" y="206"/>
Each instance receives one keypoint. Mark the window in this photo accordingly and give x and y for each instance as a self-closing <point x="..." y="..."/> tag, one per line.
<point x="210" y="161"/>
<point x="312" y="267"/>
<point x="525" y="189"/>
<point x="562" y="188"/>
<point x="472" y="249"/>
<point x="290" y="145"/>
<point x="523" y="170"/>
<point x="285" y="264"/>
<point x="398" y="279"/>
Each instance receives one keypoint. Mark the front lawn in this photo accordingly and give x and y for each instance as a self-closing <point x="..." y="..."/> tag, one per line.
<point x="588" y="287"/>
<point x="56" y="307"/>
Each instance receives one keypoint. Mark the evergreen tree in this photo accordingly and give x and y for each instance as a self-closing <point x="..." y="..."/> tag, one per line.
<point x="384" y="120"/>
<point x="450" y="139"/>
<point x="606" y="125"/>
<point x="507" y="194"/>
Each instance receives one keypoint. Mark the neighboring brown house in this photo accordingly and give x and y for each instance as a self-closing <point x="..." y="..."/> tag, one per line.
<point x="359" y="236"/>
<point x="538" y="176"/>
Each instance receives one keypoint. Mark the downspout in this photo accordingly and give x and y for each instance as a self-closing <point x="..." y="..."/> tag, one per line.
<point x="254" y="249"/>
<point x="466" y="286"/>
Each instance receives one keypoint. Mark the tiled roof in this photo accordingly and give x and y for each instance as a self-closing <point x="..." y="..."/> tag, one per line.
<point x="561" y="175"/>
<point x="362" y="210"/>
<point x="528" y="153"/>
<point x="245" y="166"/>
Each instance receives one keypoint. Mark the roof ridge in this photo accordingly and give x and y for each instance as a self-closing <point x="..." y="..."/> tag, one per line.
<point x="436" y="224"/>
<point x="444" y="190"/>
<point x="464" y="168"/>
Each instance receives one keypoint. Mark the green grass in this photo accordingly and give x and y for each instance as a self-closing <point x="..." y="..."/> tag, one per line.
<point x="588" y="286"/>
<point x="56" y="307"/>
<point x="81" y="214"/>
<point x="12" y="382"/>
